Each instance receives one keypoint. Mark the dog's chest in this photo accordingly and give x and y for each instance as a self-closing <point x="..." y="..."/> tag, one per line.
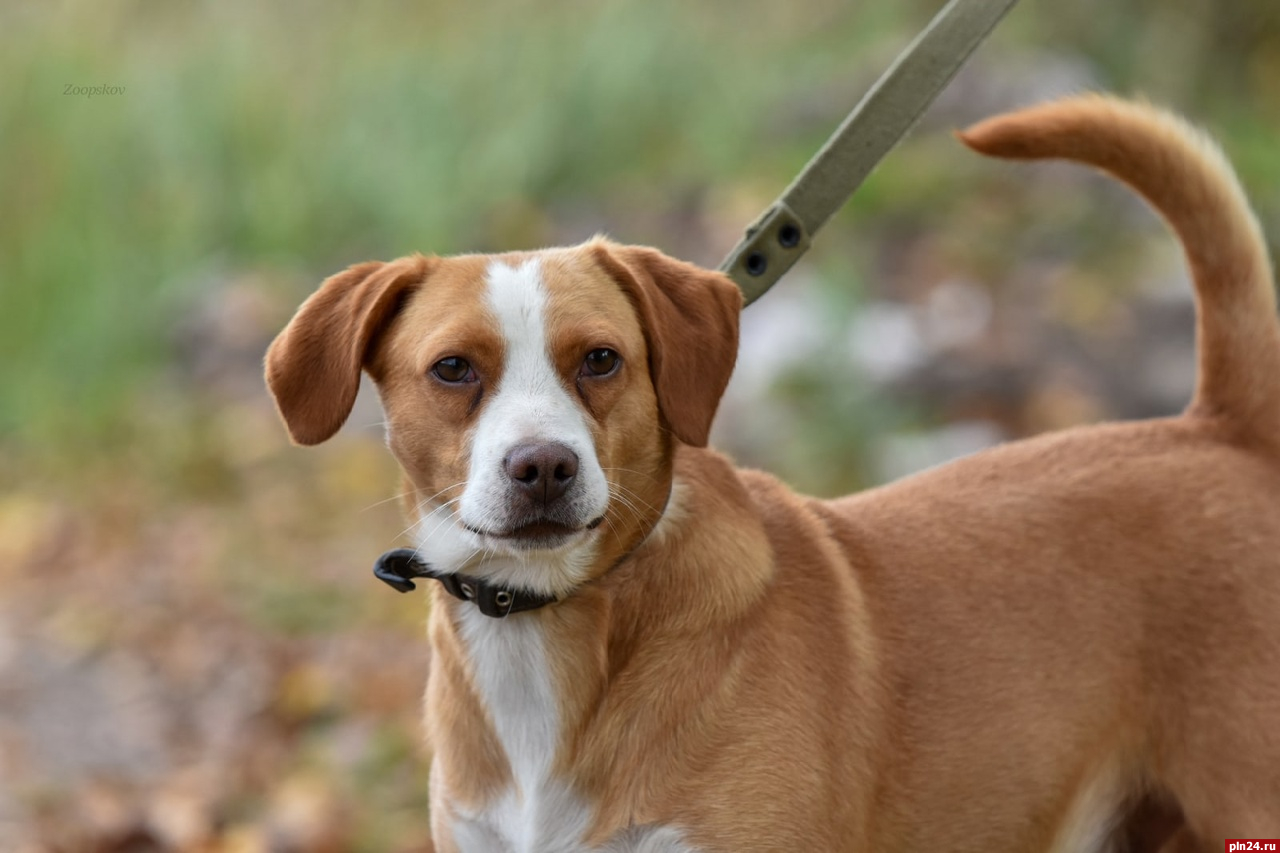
<point x="509" y="661"/>
<point x="539" y="813"/>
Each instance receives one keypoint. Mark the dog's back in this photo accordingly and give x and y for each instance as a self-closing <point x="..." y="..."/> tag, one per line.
<point x="1120" y="584"/>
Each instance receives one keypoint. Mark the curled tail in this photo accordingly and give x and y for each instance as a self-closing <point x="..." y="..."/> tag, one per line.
<point x="1185" y="177"/>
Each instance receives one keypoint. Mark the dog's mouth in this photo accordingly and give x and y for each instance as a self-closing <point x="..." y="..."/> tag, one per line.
<point x="537" y="534"/>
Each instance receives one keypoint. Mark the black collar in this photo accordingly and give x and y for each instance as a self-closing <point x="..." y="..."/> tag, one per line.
<point x="398" y="566"/>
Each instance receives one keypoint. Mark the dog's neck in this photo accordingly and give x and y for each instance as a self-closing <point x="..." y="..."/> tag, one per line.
<point x="548" y="680"/>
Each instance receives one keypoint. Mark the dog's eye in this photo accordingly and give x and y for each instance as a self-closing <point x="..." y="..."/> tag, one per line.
<point x="600" y="362"/>
<point x="454" y="369"/>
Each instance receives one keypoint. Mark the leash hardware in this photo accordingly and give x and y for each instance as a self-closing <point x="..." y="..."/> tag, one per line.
<point x="883" y="116"/>
<point x="773" y="243"/>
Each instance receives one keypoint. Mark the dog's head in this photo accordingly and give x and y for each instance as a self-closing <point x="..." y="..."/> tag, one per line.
<point x="532" y="399"/>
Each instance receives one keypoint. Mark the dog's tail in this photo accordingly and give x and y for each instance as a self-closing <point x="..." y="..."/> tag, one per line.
<point x="1188" y="181"/>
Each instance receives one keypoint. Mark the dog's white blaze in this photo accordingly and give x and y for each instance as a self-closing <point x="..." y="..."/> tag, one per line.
<point x="529" y="404"/>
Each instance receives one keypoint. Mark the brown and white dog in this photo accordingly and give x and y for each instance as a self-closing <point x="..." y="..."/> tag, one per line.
<point x="1070" y="643"/>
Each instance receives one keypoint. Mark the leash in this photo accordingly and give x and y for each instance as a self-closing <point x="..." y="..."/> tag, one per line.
<point x="784" y="232"/>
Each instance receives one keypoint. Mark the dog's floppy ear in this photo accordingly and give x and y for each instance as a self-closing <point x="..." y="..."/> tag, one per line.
<point x="690" y="319"/>
<point x="313" y="366"/>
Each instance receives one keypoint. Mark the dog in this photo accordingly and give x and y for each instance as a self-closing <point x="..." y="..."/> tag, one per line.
<point x="1067" y="643"/>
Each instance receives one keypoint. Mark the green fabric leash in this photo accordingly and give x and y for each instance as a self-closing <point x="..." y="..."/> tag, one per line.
<point x="778" y="238"/>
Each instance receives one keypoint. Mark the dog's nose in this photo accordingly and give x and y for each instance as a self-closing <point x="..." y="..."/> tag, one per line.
<point x="543" y="471"/>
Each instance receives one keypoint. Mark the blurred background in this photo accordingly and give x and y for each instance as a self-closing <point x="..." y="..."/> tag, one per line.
<point x="193" y="654"/>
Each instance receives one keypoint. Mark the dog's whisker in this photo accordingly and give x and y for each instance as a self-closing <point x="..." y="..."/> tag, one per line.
<point x="622" y="506"/>
<point x="626" y="503"/>
<point x="631" y="501"/>
<point x="608" y="523"/>
<point x="439" y="525"/>
<point x="417" y="510"/>
<point x="416" y="522"/>
<point x="421" y="504"/>
<point x="618" y="516"/>
<point x="621" y="489"/>
<point x="424" y="501"/>
<point x="398" y="497"/>
<point x="446" y="509"/>
<point x="648" y="477"/>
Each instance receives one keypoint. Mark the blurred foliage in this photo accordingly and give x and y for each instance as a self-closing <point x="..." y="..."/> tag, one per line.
<point x="288" y="141"/>
<point x="168" y="561"/>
